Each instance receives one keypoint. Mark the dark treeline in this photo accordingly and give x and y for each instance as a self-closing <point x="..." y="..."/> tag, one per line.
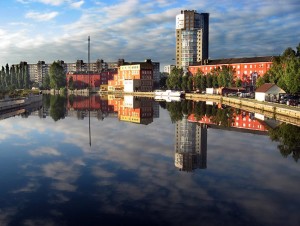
<point x="15" y="77"/>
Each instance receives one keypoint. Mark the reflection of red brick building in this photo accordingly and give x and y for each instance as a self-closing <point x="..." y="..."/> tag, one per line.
<point x="244" y="120"/>
<point x="86" y="103"/>
<point x="246" y="69"/>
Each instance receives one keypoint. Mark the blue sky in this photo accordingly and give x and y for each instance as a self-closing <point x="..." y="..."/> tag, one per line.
<point x="49" y="30"/>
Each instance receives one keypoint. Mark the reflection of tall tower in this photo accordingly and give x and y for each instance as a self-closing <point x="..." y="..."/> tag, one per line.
<point x="191" y="145"/>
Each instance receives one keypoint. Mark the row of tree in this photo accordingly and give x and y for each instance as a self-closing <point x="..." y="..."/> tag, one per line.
<point x="218" y="77"/>
<point x="17" y="77"/>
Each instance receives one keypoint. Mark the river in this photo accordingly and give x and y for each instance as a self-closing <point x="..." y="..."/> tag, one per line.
<point x="133" y="161"/>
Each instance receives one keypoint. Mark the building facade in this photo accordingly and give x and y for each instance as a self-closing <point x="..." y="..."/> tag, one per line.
<point x="192" y="38"/>
<point x="133" y="76"/>
<point x="245" y="69"/>
<point x="168" y="69"/>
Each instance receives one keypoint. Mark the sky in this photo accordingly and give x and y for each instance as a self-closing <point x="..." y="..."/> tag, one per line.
<point x="135" y="30"/>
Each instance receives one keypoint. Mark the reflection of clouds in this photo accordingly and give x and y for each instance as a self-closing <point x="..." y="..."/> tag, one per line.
<point x="58" y="198"/>
<point x="6" y="215"/>
<point x="31" y="186"/>
<point x="39" y="222"/>
<point x="44" y="151"/>
<point x="64" y="186"/>
<point x="132" y="168"/>
<point x="102" y="173"/>
<point x="64" y="174"/>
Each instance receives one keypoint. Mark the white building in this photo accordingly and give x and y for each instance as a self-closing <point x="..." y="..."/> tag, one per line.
<point x="268" y="92"/>
<point x="168" y="68"/>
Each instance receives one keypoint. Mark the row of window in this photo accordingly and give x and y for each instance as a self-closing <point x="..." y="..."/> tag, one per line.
<point x="238" y="66"/>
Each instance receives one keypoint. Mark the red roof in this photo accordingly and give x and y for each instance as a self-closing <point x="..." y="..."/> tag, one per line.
<point x="265" y="87"/>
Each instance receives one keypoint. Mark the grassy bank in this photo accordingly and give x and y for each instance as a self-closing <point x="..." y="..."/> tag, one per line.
<point x="17" y="93"/>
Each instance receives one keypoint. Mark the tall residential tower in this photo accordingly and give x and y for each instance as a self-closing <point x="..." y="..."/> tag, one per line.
<point x="192" y="40"/>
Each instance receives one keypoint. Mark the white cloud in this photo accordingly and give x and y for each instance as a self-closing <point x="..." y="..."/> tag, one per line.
<point x="44" y="151"/>
<point x="135" y="31"/>
<point x="41" y="16"/>
<point x="77" y="4"/>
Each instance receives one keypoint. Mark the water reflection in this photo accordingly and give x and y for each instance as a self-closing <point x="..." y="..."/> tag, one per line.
<point x="142" y="110"/>
<point x="191" y="145"/>
<point x="50" y="176"/>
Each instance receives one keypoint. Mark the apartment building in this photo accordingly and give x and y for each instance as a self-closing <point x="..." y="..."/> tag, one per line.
<point x="133" y="76"/>
<point x="192" y="38"/>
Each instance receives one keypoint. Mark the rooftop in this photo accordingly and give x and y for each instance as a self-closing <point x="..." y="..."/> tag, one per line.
<point x="238" y="60"/>
<point x="265" y="87"/>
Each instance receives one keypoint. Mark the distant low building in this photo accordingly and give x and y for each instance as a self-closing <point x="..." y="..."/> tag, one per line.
<point x="268" y="92"/>
<point x="96" y="81"/>
<point x="168" y="68"/>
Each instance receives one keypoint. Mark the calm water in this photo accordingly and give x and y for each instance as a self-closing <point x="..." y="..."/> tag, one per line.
<point x="146" y="163"/>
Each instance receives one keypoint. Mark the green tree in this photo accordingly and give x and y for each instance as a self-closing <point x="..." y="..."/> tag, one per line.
<point x="163" y="81"/>
<point x="190" y="83"/>
<point x="209" y="80"/>
<point x="3" y="78"/>
<point x="71" y="83"/>
<point x="259" y="82"/>
<point x="285" y="70"/>
<point x="184" y="83"/>
<point x="13" y="80"/>
<point x="57" y="76"/>
<point x="238" y="82"/>
<point x="298" y="50"/>
<point x="175" y="78"/>
<point x="7" y="76"/>
<point x="215" y="83"/>
<point x="46" y="82"/>
<point x="198" y="78"/>
<point x="203" y="84"/>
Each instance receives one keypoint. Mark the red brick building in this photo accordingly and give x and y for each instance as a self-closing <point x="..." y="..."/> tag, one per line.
<point x="246" y="69"/>
<point x="83" y="80"/>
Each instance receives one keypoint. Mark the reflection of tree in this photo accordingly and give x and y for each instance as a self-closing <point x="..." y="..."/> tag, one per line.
<point x="71" y="99"/>
<point x="289" y="138"/>
<point x="46" y="101"/>
<point x="223" y="117"/>
<point x="57" y="107"/>
<point x="175" y="111"/>
<point x="178" y="109"/>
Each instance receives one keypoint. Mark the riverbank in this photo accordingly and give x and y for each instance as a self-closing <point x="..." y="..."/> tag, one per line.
<point x="12" y="103"/>
<point x="267" y="108"/>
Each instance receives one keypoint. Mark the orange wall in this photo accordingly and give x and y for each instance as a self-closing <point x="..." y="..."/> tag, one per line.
<point x="242" y="70"/>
